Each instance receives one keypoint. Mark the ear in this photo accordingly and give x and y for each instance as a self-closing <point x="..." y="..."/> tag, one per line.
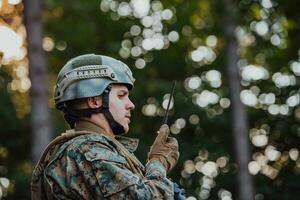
<point x="94" y="102"/>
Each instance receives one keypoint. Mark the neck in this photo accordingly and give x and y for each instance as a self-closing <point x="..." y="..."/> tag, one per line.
<point x="99" y="120"/>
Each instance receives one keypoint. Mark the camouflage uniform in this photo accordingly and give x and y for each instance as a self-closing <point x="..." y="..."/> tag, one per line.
<point x="88" y="163"/>
<point x="90" y="166"/>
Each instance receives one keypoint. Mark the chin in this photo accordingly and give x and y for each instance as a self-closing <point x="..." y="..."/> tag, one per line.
<point x="126" y="128"/>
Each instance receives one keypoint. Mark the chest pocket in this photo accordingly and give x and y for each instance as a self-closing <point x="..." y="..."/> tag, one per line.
<point x="104" y="154"/>
<point x="111" y="170"/>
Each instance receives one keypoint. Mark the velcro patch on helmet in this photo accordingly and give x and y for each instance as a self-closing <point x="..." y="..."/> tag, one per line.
<point x="84" y="72"/>
<point x="84" y="60"/>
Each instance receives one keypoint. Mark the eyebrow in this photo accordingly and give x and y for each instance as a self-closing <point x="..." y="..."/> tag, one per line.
<point x="123" y="91"/>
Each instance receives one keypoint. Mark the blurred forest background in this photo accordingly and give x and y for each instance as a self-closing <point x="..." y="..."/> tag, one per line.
<point x="236" y="107"/>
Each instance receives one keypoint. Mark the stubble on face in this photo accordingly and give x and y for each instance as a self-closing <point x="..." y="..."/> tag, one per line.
<point x="120" y="105"/>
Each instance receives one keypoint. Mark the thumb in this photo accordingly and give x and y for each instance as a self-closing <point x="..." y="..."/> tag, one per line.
<point x="163" y="132"/>
<point x="172" y="142"/>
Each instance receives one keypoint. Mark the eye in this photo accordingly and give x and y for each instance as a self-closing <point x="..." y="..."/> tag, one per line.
<point x="121" y="95"/>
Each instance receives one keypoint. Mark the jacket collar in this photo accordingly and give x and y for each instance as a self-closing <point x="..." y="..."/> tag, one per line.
<point x="130" y="144"/>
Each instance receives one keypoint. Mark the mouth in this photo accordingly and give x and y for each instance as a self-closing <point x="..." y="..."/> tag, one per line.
<point x="128" y="117"/>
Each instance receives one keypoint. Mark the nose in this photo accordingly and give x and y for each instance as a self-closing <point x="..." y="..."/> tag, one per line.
<point x="130" y="105"/>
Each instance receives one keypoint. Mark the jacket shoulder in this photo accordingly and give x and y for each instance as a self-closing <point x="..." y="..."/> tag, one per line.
<point x="91" y="147"/>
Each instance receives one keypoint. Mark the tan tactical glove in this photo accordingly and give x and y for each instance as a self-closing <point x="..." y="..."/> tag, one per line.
<point x="164" y="149"/>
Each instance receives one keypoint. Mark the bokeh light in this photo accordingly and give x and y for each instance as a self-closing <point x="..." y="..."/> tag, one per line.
<point x="149" y="109"/>
<point x="4" y="186"/>
<point x="192" y="83"/>
<point x="214" y="78"/>
<point x="254" y="73"/>
<point x="224" y="102"/>
<point x="11" y="45"/>
<point x="191" y="198"/>
<point x="248" y="98"/>
<point x="13" y="55"/>
<point x="48" y="44"/>
<point x="203" y="55"/>
<point x="294" y="154"/>
<point x="261" y="28"/>
<point x="271" y="153"/>
<point x="254" y="167"/>
<point x="245" y="37"/>
<point x="224" y="194"/>
<point x="150" y="34"/>
<point x="165" y="102"/>
<point x="283" y="80"/>
<point x="194" y="119"/>
<point x="295" y="67"/>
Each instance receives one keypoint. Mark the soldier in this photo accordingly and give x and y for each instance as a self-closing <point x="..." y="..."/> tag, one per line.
<point x="92" y="160"/>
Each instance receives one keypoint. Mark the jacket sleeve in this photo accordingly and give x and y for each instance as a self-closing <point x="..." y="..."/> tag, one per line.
<point x="99" y="172"/>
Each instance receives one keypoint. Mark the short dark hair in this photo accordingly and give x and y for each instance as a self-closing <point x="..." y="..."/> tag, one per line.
<point x="75" y="103"/>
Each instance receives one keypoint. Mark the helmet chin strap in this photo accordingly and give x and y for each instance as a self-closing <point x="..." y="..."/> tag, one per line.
<point x="116" y="127"/>
<point x="72" y="115"/>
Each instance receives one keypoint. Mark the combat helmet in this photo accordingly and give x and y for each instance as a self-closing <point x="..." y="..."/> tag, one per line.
<point x="88" y="76"/>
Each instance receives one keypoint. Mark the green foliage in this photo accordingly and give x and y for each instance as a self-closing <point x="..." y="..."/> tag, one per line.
<point x="14" y="142"/>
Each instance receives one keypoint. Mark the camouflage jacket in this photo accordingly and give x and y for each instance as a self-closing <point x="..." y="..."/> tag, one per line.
<point x="90" y="166"/>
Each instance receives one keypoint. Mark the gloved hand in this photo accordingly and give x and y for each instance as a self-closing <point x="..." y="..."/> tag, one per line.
<point x="164" y="148"/>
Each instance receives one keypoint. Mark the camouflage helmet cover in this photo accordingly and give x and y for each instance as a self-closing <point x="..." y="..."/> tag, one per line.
<point x="88" y="75"/>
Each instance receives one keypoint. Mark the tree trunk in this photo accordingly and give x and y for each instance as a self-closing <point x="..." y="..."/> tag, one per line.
<point x="40" y="116"/>
<point x="239" y="115"/>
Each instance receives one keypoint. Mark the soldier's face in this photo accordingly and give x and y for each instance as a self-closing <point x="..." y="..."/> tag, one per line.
<point x="120" y="105"/>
